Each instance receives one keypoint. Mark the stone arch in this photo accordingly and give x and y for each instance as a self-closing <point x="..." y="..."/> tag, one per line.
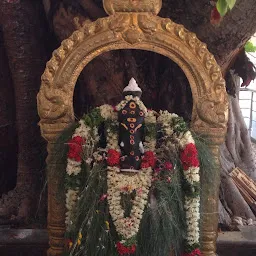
<point x="136" y="27"/>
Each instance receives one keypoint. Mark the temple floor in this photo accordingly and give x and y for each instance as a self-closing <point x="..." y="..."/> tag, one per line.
<point x="34" y="242"/>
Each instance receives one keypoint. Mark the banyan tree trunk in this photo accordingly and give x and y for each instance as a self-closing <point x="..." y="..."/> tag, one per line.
<point x="164" y="87"/>
<point x="23" y="38"/>
<point x="8" y="145"/>
<point x="236" y="152"/>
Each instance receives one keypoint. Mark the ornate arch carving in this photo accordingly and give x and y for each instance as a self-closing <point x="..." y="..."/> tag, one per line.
<point x="134" y="25"/>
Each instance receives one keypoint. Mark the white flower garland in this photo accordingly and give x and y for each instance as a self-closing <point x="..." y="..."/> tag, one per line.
<point x="119" y="183"/>
<point x="150" y="143"/>
<point x="140" y="182"/>
<point x="74" y="167"/>
<point x="71" y="198"/>
<point x="192" y="204"/>
<point x="137" y="100"/>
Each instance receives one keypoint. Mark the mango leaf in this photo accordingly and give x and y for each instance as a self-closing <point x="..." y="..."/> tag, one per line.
<point x="222" y="7"/>
<point x="231" y="3"/>
<point x="250" y="47"/>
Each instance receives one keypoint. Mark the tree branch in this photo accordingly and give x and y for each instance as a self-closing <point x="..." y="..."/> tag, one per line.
<point x="223" y="41"/>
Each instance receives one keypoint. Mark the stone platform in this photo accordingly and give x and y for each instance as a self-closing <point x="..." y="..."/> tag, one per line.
<point x="23" y="242"/>
<point x="34" y="242"/>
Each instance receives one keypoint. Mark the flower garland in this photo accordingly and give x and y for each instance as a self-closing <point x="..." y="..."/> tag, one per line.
<point x="83" y="148"/>
<point x="119" y="183"/>
<point x="190" y="163"/>
<point x="74" y="166"/>
<point x="137" y="100"/>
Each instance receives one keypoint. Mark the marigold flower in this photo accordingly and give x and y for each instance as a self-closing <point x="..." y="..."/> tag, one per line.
<point x="107" y="224"/>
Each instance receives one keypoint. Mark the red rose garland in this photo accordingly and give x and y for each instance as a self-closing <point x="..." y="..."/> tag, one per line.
<point x="148" y="160"/>
<point x="113" y="158"/>
<point x="75" y="148"/>
<point x="196" y="252"/>
<point x="189" y="156"/>
<point x="123" y="250"/>
<point x="168" y="166"/>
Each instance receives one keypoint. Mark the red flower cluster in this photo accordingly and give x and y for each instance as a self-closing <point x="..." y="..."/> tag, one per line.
<point x="148" y="160"/>
<point x="168" y="166"/>
<point x="113" y="157"/>
<point x="103" y="197"/>
<point x="68" y="243"/>
<point x="123" y="250"/>
<point x="189" y="156"/>
<point x="75" y="148"/>
<point x="196" y="252"/>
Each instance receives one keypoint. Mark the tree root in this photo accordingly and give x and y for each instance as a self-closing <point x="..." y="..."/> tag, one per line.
<point x="16" y="206"/>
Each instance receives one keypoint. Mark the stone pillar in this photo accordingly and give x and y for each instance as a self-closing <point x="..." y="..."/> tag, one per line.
<point x="56" y="203"/>
<point x="210" y="182"/>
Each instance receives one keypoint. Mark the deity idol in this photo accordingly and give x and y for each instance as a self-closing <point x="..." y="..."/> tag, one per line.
<point x="122" y="198"/>
<point x="131" y="119"/>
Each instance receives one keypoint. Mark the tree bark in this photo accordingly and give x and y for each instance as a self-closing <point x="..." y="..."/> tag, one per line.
<point x="163" y="83"/>
<point x="8" y="147"/>
<point x="162" y="87"/>
<point x="24" y="42"/>
<point x="224" y="40"/>
<point x="236" y="152"/>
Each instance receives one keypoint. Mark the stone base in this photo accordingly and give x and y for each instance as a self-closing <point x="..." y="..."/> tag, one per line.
<point x="236" y="244"/>
<point x="34" y="242"/>
<point x="23" y="242"/>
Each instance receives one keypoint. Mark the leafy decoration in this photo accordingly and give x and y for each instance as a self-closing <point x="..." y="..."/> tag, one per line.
<point x="222" y="7"/>
<point x="231" y="3"/>
<point x="250" y="47"/>
<point x="163" y="226"/>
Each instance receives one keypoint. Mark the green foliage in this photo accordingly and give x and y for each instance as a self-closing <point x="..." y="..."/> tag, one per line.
<point x="127" y="202"/>
<point x="93" y="118"/>
<point x="150" y="130"/>
<point x="250" y="47"/>
<point x="179" y="125"/>
<point x="231" y="3"/>
<point x="91" y="217"/>
<point x="189" y="190"/>
<point x="73" y="181"/>
<point x="59" y="157"/>
<point x="223" y="6"/>
<point x="162" y="227"/>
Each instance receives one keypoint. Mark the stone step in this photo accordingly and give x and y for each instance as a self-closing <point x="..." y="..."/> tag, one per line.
<point x="34" y="242"/>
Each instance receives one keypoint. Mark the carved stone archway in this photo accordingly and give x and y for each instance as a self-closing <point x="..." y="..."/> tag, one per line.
<point x="134" y="24"/>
